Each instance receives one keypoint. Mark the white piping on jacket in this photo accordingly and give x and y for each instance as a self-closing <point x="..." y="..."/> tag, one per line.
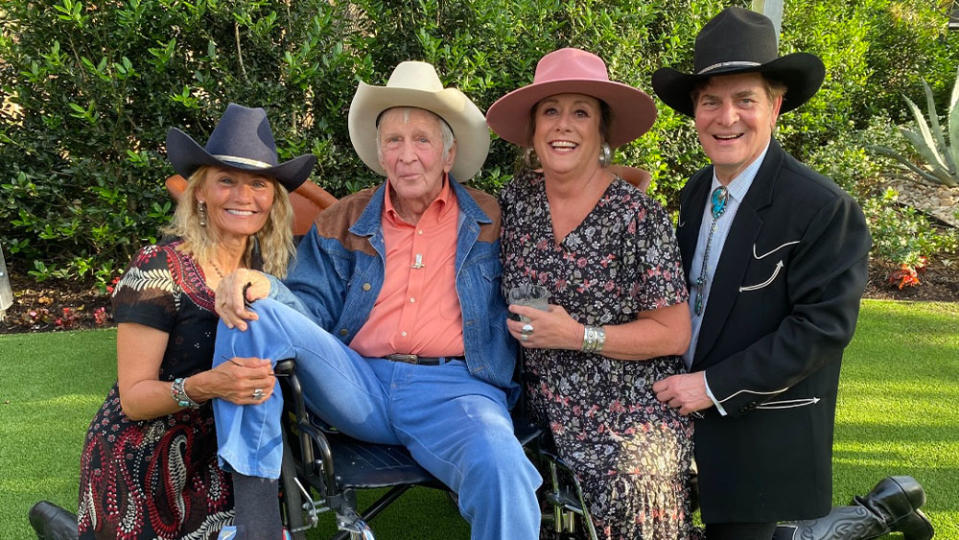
<point x="788" y="404"/>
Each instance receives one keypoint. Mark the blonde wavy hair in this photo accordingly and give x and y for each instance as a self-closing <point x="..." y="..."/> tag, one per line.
<point x="275" y="238"/>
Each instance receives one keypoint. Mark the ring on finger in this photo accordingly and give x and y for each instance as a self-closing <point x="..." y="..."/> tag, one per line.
<point x="257" y="394"/>
<point x="524" y="337"/>
<point x="527" y="328"/>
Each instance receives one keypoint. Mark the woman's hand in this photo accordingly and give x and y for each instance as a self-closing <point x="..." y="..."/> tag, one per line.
<point x="243" y="381"/>
<point x="232" y="293"/>
<point x="553" y="329"/>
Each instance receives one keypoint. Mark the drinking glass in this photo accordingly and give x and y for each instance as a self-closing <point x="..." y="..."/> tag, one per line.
<point x="528" y="294"/>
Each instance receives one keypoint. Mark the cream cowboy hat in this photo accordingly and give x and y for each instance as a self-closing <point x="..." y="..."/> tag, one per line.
<point x="416" y="84"/>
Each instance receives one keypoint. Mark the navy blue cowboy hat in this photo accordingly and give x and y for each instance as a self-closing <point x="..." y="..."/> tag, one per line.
<point x="740" y="41"/>
<point x="242" y="139"/>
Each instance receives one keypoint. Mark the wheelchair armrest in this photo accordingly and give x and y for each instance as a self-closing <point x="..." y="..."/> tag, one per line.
<point x="310" y="433"/>
<point x="286" y="369"/>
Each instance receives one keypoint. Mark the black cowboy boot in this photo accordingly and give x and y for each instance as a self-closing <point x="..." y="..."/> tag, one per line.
<point x="52" y="522"/>
<point x="896" y="500"/>
<point x="893" y="505"/>
<point x="842" y="523"/>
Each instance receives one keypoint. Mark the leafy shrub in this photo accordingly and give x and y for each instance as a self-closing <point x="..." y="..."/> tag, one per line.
<point x="91" y="88"/>
<point x="904" y="236"/>
<point x="900" y="234"/>
<point x="874" y="50"/>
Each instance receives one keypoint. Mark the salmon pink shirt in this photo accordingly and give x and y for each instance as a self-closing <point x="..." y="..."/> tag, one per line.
<point x="418" y="310"/>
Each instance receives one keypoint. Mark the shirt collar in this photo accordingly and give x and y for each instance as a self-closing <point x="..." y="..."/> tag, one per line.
<point x="739" y="186"/>
<point x="440" y="201"/>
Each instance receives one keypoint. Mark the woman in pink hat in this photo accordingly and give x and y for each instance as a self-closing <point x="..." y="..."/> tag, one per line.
<point x="617" y="318"/>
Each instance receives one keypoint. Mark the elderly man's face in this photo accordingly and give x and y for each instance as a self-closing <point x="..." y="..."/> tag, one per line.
<point x="411" y="152"/>
<point x="735" y="119"/>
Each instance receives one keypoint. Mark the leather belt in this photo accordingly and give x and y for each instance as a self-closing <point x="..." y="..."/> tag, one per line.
<point x="422" y="360"/>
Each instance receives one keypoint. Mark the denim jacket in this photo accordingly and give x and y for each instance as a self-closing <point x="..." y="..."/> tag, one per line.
<point x="339" y="271"/>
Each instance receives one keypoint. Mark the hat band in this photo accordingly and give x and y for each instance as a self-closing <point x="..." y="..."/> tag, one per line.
<point x="737" y="63"/>
<point x="243" y="160"/>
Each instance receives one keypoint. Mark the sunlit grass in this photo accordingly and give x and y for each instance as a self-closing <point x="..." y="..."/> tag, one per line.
<point x="897" y="405"/>
<point x="897" y="414"/>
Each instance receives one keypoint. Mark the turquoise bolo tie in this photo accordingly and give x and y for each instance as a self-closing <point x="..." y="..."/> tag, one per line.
<point x="718" y="202"/>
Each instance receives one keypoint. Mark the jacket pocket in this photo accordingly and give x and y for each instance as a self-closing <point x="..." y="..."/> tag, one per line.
<point x="763" y="284"/>
<point x="788" y="403"/>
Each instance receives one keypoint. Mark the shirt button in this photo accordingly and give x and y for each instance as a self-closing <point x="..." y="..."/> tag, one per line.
<point x="419" y="231"/>
<point x="367" y="286"/>
<point x="412" y="300"/>
<point x="344" y="331"/>
<point x="403" y="334"/>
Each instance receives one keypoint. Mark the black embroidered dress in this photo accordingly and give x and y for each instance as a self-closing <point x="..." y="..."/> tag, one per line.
<point x="158" y="478"/>
<point x="632" y="454"/>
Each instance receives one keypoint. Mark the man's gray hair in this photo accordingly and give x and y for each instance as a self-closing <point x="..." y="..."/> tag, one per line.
<point x="448" y="138"/>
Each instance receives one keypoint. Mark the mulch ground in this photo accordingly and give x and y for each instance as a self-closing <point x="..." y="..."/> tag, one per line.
<point x="65" y="305"/>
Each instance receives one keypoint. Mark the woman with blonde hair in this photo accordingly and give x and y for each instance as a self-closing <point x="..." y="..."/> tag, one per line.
<point x="149" y="466"/>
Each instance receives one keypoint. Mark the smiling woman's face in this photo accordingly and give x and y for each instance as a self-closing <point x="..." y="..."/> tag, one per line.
<point x="567" y="133"/>
<point x="238" y="203"/>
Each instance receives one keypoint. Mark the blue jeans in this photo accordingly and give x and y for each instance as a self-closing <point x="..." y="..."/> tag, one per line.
<point x="455" y="426"/>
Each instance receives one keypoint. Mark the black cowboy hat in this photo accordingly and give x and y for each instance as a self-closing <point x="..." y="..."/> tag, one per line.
<point x="740" y="41"/>
<point x="242" y="139"/>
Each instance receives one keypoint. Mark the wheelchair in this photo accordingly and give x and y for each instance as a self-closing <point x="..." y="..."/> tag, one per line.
<point x="323" y="469"/>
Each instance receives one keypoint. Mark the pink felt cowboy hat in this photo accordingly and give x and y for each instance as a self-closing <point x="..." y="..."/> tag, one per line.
<point x="573" y="71"/>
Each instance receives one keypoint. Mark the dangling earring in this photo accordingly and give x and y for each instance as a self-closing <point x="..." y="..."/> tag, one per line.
<point x="201" y="213"/>
<point x="531" y="160"/>
<point x="605" y="155"/>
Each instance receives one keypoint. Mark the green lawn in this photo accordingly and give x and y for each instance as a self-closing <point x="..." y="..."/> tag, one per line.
<point x="897" y="415"/>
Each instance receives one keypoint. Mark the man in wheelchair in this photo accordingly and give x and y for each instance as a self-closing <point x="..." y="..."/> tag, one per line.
<point x="394" y="316"/>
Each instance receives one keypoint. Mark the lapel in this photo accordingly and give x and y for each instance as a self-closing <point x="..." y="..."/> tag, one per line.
<point x="692" y="200"/>
<point x="737" y="251"/>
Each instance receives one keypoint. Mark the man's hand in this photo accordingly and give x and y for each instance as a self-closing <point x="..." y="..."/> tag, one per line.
<point x="230" y="305"/>
<point x="686" y="392"/>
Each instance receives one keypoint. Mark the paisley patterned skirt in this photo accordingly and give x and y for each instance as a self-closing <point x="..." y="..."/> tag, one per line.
<point x="154" y="478"/>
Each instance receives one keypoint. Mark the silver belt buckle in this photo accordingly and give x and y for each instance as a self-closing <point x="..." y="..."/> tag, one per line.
<point x="407" y="358"/>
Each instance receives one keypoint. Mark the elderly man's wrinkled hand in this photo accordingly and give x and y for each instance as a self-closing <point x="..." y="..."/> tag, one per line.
<point x="686" y="392"/>
<point x="234" y="291"/>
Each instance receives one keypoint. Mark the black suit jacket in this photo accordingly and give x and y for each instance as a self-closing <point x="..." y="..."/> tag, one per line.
<point x="782" y="307"/>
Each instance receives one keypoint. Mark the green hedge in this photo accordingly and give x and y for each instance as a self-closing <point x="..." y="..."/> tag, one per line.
<point x="90" y="89"/>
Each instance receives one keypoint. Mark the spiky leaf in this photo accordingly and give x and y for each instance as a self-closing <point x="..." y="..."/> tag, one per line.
<point x="925" y="144"/>
<point x="953" y="113"/>
<point x="941" y="146"/>
<point x="889" y="152"/>
<point x="921" y="144"/>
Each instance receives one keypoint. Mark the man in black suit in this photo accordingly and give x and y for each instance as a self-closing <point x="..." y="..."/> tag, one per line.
<point x="775" y="256"/>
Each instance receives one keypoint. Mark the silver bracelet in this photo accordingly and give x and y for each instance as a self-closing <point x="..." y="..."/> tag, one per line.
<point x="594" y="337"/>
<point x="178" y="393"/>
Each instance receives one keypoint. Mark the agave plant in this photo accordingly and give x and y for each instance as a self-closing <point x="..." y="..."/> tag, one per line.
<point x="930" y="140"/>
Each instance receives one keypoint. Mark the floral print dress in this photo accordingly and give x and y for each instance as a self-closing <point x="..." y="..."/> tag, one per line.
<point x="158" y="478"/>
<point x="631" y="453"/>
